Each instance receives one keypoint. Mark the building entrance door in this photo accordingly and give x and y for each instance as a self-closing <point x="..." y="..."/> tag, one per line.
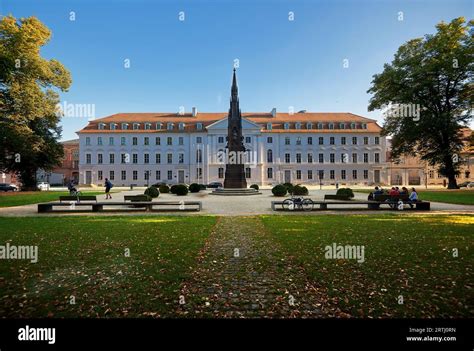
<point x="377" y="176"/>
<point x="287" y="176"/>
<point x="88" y="177"/>
<point x="180" y="176"/>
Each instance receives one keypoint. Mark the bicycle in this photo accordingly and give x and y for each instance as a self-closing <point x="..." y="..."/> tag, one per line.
<point x="76" y="193"/>
<point x="298" y="203"/>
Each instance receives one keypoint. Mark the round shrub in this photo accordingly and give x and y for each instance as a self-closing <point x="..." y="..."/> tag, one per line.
<point x="152" y="192"/>
<point x="300" y="190"/>
<point x="173" y="189"/>
<point x="289" y="187"/>
<point x="194" y="188"/>
<point x="279" y="190"/>
<point x="254" y="186"/>
<point x="164" y="188"/>
<point x="181" y="190"/>
<point x="346" y="192"/>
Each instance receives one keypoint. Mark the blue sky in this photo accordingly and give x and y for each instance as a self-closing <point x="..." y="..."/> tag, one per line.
<point x="189" y="63"/>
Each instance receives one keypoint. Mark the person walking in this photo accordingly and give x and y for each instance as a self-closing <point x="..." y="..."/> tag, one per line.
<point x="108" y="186"/>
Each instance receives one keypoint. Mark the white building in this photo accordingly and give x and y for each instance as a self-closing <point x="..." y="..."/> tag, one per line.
<point x="304" y="147"/>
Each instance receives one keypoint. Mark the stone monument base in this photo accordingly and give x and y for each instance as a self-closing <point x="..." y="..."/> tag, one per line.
<point x="235" y="191"/>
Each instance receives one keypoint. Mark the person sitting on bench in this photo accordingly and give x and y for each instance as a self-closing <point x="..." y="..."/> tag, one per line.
<point x="413" y="197"/>
<point x="377" y="191"/>
<point x="404" y="191"/>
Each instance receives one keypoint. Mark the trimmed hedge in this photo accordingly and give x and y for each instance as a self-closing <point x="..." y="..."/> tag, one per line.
<point x="194" y="188"/>
<point x="181" y="190"/>
<point x="289" y="187"/>
<point x="300" y="190"/>
<point x="346" y="192"/>
<point x="202" y="186"/>
<point x="164" y="188"/>
<point x="279" y="190"/>
<point x="254" y="186"/>
<point x="152" y="192"/>
<point x="173" y="189"/>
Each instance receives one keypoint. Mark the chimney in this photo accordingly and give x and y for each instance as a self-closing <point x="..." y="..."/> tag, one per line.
<point x="195" y="111"/>
<point x="274" y="112"/>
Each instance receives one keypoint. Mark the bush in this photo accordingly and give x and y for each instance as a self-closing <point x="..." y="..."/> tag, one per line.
<point x="279" y="190"/>
<point x="254" y="186"/>
<point x="194" y="188"/>
<point x="202" y="186"/>
<point x="289" y="187"/>
<point x="164" y="188"/>
<point x="152" y="192"/>
<point x="173" y="189"/>
<point x="346" y="192"/>
<point x="181" y="190"/>
<point x="300" y="190"/>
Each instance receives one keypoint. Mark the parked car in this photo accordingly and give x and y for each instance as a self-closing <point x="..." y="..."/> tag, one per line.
<point x="466" y="185"/>
<point x="8" y="187"/>
<point x="215" y="185"/>
<point x="43" y="186"/>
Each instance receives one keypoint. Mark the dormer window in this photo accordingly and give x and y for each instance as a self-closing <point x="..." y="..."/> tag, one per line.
<point x="169" y="126"/>
<point x="124" y="126"/>
<point x="181" y="126"/>
<point x="136" y="126"/>
<point x="286" y="126"/>
<point x="101" y="126"/>
<point x="353" y="125"/>
<point x="147" y="126"/>
<point x="309" y="125"/>
<point x="342" y="126"/>
<point x="199" y="126"/>
<point x="320" y="126"/>
<point x="113" y="126"/>
<point x="297" y="125"/>
<point x="331" y="125"/>
<point x="269" y="126"/>
<point x="159" y="125"/>
<point x="364" y="126"/>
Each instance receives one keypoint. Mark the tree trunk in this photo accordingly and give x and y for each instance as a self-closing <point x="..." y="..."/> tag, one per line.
<point x="452" y="184"/>
<point x="28" y="180"/>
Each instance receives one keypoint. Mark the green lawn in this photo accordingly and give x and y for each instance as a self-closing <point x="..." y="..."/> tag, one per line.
<point x="86" y="258"/>
<point x="461" y="197"/>
<point x="19" y="198"/>
<point x="409" y="256"/>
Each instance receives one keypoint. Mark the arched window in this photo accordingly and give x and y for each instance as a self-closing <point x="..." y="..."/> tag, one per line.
<point x="269" y="126"/>
<point x="286" y="126"/>
<point x="309" y="125"/>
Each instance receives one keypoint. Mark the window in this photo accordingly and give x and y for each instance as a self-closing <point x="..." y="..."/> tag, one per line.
<point x="331" y="140"/>
<point x="157" y="175"/>
<point x="321" y="174"/>
<point x="123" y="158"/>
<point x="99" y="159"/>
<point x="169" y="141"/>
<point x="310" y="140"/>
<point x="286" y="126"/>
<point x="180" y="141"/>
<point x="298" y="158"/>
<point x="88" y="141"/>
<point x="198" y="140"/>
<point x="248" y="140"/>
<point x="248" y="173"/>
<point x="343" y="174"/>
<point x="332" y="174"/>
<point x="220" y="140"/>
<point x="287" y="158"/>
<point x="321" y="158"/>
<point x="159" y="125"/>
<point x="157" y="158"/>
<point x="111" y="159"/>
<point x="354" y="174"/>
<point x="101" y="126"/>
<point x="122" y="141"/>
<point x="377" y="140"/>
<point x="112" y="175"/>
<point x="366" y="174"/>
<point x="169" y="158"/>
<point x="344" y="158"/>
<point x="364" y="125"/>
<point x="320" y="126"/>
<point x="270" y="173"/>
<point x="136" y="126"/>
<point x="113" y="126"/>
<point x="134" y="141"/>
<point x="269" y="126"/>
<point x="124" y="126"/>
<point x="298" y="174"/>
<point x="332" y="158"/>
<point x="297" y="125"/>
<point x="354" y="140"/>
<point x="99" y="175"/>
<point x="366" y="158"/>
<point x="310" y="174"/>
<point x="321" y="141"/>
<point x="220" y="172"/>
<point x="170" y="175"/>
<point x="198" y="156"/>
<point x="135" y="175"/>
<point x="147" y="126"/>
<point x="99" y="141"/>
<point x="269" y="140"/>
<point x="135" y="158"/>
<point x="298" y="141"/>
<point x="431" y="173"/>
<point x="354" y="158"/>
<point x="111" y="140"/>
<point x="169" y="126"/>
<point x="353" y="125"/>
<point x="343" y="140"/>
<point x="124" y="175"/>
<point x="377" y="157"/>
<point x="366" y="140"/>
<point x="157" y="141"/>
<point x="146" y="158"/>
<point x="309" y="125"/>
<point x="146" y="141"/>
<point x="269" y="156"/>
<point x="310" y="158"/>
<point x="199" y="126"/>
<point x="287" y="140"/>
<point x="342" y="126"/>
<point x="331" y="125"/>
<point x="181" y="126"/>
<point x="88" y="159"/>
<point x="181" y="158"/>
<point x="146" y="174"/>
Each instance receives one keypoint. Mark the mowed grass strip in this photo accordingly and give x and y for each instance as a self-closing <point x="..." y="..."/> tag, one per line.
<point x="410" y="256"/>
<point x="19" y="199"/>
<point x="458" y="197"/>
<point x="84" y="260"/>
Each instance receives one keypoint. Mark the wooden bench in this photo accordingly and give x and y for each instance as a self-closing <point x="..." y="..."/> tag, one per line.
<point x="124" y="206"/>
<point x="78" y="198"/>
<point x="335" y="197"/>
<point x="134" y="198"/>
<point x="371" y="205"/>
<point x="386" y="197"/>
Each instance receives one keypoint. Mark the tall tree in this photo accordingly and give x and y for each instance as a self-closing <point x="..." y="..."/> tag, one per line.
<point x="29" y="130"/>
<point x="435" y="75"/>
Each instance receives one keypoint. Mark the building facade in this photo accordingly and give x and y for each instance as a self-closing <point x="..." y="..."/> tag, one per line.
<point x="307" y="148"/>
<point x="68" y="169"/>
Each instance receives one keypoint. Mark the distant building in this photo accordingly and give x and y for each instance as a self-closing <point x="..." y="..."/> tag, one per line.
<point x="69" y="168"/>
